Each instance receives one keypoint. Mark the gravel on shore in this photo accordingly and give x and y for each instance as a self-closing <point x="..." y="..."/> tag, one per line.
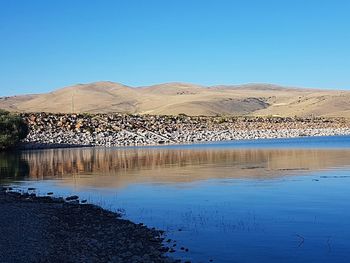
<point x="45" y="229"/>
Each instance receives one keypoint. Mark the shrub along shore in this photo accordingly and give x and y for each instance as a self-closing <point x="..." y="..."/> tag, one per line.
<point x="61" y="130"/>
<point x="12" y="129"/>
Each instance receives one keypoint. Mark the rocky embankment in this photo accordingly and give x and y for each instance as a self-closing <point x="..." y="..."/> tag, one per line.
<point x="124" y="130"/>
<point x="45" y="229"/>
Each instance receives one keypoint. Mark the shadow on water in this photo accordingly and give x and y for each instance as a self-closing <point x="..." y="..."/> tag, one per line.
<point x="13" y="167"/>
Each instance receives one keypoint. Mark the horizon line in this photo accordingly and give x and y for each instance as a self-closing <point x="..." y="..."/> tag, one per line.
<point x="183" y="83"/>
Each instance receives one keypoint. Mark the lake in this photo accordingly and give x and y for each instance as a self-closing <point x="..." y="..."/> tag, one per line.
<point x="282" y="200"/>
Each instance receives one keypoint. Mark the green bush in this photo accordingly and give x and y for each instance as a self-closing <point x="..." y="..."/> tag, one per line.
<point x="12" y="129"/>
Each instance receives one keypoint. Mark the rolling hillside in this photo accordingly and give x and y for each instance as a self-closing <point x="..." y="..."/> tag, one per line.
<point x="190" y="99"/>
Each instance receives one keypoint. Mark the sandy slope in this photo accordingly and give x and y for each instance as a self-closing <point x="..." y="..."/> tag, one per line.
<point x="190" y="99"/>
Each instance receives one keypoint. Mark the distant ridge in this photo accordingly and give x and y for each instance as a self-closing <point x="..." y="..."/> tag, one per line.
<point x="174" y="98"/>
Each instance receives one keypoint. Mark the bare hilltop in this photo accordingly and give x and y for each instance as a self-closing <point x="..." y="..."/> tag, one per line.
<point x="183" y="98"/>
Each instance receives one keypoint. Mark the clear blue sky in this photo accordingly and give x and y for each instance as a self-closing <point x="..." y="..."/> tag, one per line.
<point x="46" y="44"/>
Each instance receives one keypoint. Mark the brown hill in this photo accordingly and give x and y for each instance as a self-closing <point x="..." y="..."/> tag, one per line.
<point x="190" y="99"/>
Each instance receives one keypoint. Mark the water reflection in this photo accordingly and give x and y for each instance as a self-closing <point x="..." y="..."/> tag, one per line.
<point x="12" y="166"/>
<point x="120" y="167"/>
<point x="262" y="218"/>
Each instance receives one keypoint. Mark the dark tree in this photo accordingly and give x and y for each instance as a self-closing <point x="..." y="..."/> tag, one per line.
<point x="12" y="129"/>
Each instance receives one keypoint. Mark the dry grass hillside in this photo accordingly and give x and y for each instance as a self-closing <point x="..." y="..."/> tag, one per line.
<point x="176" y="98"/>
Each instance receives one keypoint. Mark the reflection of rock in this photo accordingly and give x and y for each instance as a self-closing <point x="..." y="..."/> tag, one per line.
<point x="13" y="166"/>
<point x="117" y="167"/>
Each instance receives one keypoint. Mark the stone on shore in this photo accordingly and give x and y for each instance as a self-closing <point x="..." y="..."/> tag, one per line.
<point x="67" y="130"/>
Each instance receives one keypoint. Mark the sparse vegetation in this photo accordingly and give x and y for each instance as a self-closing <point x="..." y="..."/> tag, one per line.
<point x="12" y="129"/>
<point x="221" y="119"/>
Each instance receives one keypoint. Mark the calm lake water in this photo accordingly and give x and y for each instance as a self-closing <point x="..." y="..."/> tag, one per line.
<point x="251" y="201"/>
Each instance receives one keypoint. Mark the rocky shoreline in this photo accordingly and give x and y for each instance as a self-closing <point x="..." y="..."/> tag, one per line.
<point x="69" y="130"/>
<point x="46" y="229"/>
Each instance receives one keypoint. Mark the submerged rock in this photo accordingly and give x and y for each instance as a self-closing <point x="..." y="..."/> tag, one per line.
<point x="72" y="198"/>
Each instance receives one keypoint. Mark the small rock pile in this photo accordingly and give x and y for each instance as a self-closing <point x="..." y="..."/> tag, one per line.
<point x="124" y="130"/>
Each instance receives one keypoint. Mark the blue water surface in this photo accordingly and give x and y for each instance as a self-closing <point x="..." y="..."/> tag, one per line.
<point x="279" y="200"/>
